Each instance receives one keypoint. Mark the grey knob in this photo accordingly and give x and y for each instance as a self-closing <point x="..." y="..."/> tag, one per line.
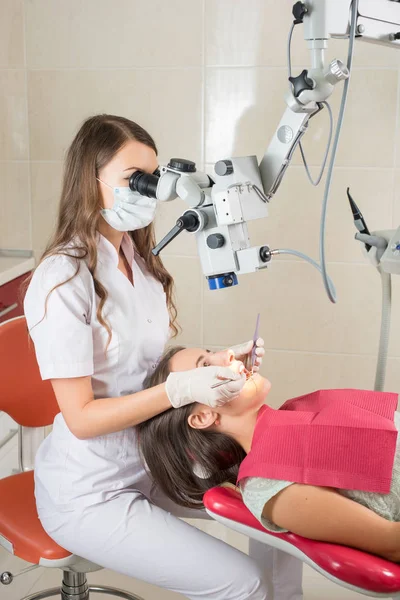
<point x="337" y="71"/>
<point x="6" y="578"/>
<point x="223" y="167"/>
<point x="216" y="240"/>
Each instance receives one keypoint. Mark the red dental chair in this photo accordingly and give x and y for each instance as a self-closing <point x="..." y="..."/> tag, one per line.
<point x="356" y="570"/>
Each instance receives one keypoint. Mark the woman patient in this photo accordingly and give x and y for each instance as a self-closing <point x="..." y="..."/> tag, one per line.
<point x="191" y="449"/>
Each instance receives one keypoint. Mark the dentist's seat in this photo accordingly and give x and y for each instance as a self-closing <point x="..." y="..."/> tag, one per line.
<point x="31" y="403"/>
<point x="356" y="570"/>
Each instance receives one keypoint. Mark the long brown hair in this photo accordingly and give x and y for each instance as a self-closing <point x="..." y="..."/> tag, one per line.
<point x="174" y="452"/>
<point x="97" y="141"/>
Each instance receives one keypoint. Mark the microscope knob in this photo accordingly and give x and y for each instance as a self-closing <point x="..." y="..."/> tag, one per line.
<point x="223" y="167"/>
<point x="6" y="578"/>
<point x="301" y="83"/>
<point x="216" y="240"/>
<point x="182" y="165"/>
<point x="338" y="70"/>
<point x="299" y="11"/>
<point x="265" y="254"/>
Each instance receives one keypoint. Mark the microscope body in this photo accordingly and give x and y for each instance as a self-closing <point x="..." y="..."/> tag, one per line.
<point x="221" y="206"/>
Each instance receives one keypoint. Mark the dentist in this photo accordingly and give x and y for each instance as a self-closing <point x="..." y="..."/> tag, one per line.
<point x="100" y="310"/>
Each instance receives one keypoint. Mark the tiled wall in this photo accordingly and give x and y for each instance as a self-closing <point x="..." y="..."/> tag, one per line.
<point x="207" y="78"/>
<point x="15" y="228"/>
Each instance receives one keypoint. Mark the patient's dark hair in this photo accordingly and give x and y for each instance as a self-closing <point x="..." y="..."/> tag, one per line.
<point x="170" y="449"/>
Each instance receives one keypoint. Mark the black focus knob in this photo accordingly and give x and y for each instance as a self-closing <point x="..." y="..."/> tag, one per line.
<point x="223" y="167"/>
<point x="301" y="83"/>
<point x="299" y="10"/>
<point x="228" y="280"/>
<point x="265" y="254"/>
<point x="216" y="240"/>
<point x="182" y="165"/>
<point x="189" y="221"/>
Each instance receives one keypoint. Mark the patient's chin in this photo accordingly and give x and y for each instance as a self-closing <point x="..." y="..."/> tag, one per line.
<point x="261" y="384"/>
<point x="256" y="390"/>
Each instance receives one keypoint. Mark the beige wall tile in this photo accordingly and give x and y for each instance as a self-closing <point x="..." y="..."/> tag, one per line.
<point x="368" y="133"/>
<point x="245" y="105"/>
<point x="247" y="32"/>
<point x="188" y="286"/>
<point x="167" y="215"/>
<point x="243" y="108"/>
<point x="394" y="350"/>
<point x="254" y="32"/>
<point x="15" y="218"/>
<point x="11" y="34"/>
<point x="392" y="382"/>
<point x="295" y="213"/>
<point x="13" y="117"/>
<point x="296" y="313"/>
<point x="396" y="199"/>
<point x="295" y="373"/>
<point x="118" y="33"/>
<point x="60" y="100"/>
<point x="46" y="189"/>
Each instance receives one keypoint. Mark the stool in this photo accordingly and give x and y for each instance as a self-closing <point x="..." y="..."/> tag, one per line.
<point x="31" y="403"/>
<point x="353" y="569"/>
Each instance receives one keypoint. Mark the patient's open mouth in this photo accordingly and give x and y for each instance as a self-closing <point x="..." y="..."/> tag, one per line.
<point x="249" y="374"/>
<point x="250" y="377"/>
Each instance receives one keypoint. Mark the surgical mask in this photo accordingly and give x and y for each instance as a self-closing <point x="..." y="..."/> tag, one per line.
<point x="130" y="210"/>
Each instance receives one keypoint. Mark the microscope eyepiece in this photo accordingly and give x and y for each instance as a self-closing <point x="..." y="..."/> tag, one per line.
<point x="145" y="183"/>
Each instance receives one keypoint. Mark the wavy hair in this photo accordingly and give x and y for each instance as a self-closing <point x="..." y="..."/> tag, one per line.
<point x="97" y="141"/>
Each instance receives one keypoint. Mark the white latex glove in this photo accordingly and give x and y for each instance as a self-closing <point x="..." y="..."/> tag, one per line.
<point x="185" y="387"/>
<point x="241" y="350"/>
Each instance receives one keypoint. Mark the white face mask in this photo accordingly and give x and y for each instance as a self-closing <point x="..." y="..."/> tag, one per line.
<point x="130" y="210"/>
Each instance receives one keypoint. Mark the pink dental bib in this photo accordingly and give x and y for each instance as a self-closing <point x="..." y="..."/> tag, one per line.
<point x="335" y="438"/>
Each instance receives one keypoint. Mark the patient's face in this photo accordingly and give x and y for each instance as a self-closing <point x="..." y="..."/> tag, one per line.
<point x="254" y="392"/>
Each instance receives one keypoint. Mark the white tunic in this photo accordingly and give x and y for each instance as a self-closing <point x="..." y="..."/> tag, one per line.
<point x="70" y="342"/>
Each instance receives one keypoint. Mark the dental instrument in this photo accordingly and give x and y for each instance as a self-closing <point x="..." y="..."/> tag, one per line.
<point x="251" y="356"/>
<point x="217" y="385"/>
<point x="359" y="221"/>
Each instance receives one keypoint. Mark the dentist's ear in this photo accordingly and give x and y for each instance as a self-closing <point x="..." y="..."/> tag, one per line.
<point x="203" y="417"/>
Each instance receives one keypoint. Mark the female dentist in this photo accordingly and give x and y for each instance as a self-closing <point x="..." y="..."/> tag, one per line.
<point x="99" y="309"/>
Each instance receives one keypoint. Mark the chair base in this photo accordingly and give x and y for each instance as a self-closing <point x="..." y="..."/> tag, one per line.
<point x="75" y="587"/>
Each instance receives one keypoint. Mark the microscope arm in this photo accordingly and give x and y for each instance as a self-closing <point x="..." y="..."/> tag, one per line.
<point x="378" y="22"/>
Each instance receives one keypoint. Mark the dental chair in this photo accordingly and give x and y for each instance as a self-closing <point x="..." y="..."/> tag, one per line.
<point x="353" y="569"/>
<point x="31" y="403"/>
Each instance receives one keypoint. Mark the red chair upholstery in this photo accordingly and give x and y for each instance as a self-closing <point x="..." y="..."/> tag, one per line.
<point x="19" y="521"/>
<point x="23" y="395"/>
<point x="31" y="403"/>
<point x="346" y="566"/>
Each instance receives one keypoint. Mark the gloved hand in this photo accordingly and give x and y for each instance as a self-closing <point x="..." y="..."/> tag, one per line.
<point x="185" y="387"/>
<point x="242" y="350"/>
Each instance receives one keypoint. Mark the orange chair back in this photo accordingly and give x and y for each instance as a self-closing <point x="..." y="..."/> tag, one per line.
<point x="23" y="395"/>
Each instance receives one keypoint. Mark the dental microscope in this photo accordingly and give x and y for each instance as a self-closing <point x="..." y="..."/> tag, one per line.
<point x="220" y="206"/>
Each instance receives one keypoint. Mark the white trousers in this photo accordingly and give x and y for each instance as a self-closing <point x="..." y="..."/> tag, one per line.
<point x="130" y="535"/>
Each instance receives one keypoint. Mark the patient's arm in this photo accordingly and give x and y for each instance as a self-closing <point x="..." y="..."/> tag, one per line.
<point x="324" y="514"/>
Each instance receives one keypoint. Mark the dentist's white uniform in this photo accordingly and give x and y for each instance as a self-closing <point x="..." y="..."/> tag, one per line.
<point x="93" y="495"/>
